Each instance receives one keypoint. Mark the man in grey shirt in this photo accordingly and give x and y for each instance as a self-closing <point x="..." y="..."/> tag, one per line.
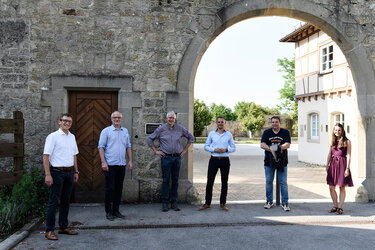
<point x="171" y="150"/>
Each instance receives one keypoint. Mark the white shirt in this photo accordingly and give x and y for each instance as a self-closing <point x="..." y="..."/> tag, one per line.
<point x="61" y="148"/>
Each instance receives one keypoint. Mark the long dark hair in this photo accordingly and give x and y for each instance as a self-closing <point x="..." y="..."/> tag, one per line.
<point x="343" y="142"/>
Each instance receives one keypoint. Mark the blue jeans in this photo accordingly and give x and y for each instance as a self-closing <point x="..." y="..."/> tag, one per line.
<point x="170" y="166"/>
<point x="270" y="174"/>
<point x="114" y="180"/>
<point x="61" y="189"/>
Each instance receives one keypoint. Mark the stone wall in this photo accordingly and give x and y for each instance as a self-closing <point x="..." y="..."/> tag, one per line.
<point x="159" y="48"/>
<point x="44" y="40"/>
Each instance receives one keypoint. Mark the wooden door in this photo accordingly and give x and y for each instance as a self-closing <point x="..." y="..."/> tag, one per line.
<point x="91" y="113"/>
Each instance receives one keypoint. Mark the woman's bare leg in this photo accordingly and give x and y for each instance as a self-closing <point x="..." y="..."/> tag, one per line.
<point x="342" y="196"/>
<point x="333" y="193"/>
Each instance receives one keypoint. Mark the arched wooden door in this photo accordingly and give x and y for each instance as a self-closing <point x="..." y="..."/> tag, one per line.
<point x="91" y="112"/>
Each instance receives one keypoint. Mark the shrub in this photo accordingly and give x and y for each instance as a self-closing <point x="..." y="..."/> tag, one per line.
<point x="5" y="192"/>
<point x="23" y="200"/>
<point x="31" y="192"/>
<point x="10" y="216"/>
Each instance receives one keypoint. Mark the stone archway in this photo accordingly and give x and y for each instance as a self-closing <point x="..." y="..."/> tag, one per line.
<point x="343" y="28"/>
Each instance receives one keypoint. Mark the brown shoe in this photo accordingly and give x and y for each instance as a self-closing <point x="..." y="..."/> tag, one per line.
<point x="223" y="207"/>
<point x="67" y="231"/>
<point x="205" y="206"/>
<point x="51" y="235"/>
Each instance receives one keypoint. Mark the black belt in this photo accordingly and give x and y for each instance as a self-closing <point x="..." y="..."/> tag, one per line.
<point x="219" y="158"/>
<point x="116" y="165"/>
<point x="174" y="155"/>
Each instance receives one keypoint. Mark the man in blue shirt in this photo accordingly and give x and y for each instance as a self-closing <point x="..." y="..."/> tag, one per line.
<point x="114" y="142"/>
<point x="171" y="150"/>
<point x="219" y="143"/>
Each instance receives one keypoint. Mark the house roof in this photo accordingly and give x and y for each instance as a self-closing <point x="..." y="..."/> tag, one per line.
<point x="300" y="33"/>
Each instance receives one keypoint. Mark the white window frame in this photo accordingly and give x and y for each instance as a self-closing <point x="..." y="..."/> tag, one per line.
<point x="314" y="126"/>
<point x="341" y="119"/>
<point x="326" y="58"/>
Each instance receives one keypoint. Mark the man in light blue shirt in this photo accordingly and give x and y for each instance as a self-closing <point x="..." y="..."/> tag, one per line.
<point x="219" y="143"/>
<point x="114" y="142"/>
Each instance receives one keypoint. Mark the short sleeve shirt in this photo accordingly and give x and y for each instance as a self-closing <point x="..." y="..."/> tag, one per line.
<point x="269" y="137"/>
<point x="114" y="142"/>
<point x="61" y="148"/>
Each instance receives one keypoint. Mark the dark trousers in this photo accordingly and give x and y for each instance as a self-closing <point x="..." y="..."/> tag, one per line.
<point x="61" y="189"/>
<point x="114" y="180"/>
<point x="213" y="166"/>
<point x="170" y="166"/>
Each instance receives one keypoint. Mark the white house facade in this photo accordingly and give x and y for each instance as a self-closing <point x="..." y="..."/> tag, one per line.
<point x="325" y="92"/>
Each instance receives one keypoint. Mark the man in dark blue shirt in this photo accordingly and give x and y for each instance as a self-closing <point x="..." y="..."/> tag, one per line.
<point x="275" y="141"/>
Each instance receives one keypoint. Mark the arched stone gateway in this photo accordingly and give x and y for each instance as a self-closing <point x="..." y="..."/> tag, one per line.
<point x="352" y="34"/>
<point x="92" y="56"/>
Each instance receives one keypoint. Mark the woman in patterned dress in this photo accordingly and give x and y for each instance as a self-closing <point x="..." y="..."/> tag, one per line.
<point x="338" y="167"/>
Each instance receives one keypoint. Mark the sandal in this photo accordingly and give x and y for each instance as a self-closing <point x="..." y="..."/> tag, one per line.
<point x="339" y="211"/>
<point x="333" y="210"/>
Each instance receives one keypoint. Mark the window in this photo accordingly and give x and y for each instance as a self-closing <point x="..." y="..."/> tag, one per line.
<point x="326" y="53"/>
<point x="339" y="118"/>
<point x="314" y="125"/>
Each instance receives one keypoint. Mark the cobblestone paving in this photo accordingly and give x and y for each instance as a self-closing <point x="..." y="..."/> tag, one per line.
<point x="247" y="181"/>
<point x="246" y="192"/>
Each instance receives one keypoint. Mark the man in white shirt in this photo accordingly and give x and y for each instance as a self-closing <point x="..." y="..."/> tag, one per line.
<point x="220" y="144"/>
<point x="61" y="170"/>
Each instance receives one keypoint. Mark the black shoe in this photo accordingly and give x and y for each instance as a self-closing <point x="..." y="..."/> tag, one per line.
<point x="119" y="215"/>
<point x="165" y="207"/>
<point x="109" y="216"/>
<point x="175" y="207"/>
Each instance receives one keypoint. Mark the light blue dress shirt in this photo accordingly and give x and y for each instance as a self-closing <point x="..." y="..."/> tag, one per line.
<point x="217" y="140"/>
<point x="114" y="142"/>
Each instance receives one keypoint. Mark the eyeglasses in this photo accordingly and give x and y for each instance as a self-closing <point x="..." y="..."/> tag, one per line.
<point x="116" y="117"/>
<point x="66" y="121"/>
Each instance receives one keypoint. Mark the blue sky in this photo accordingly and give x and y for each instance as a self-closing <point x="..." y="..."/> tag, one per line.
<point x="241" y="63"/>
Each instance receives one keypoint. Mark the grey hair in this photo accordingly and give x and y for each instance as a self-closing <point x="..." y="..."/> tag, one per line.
<point x="116" y="112"/>
<point x="171" y="113"/>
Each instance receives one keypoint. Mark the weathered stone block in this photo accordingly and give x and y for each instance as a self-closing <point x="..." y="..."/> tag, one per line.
<point x="12" y="33"/>
<point x="130" y="191"/>
<point x="150" y="190"/>
<point x="362" y="194"/>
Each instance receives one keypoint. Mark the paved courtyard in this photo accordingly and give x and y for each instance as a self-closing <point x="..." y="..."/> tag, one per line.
<point x="247" y="181"/>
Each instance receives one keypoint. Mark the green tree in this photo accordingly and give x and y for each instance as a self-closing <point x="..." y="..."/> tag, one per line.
<point x="202" y="116"/>
<point x="287" y="93"/>
<point x="251" y="115"/>
<point x="271" y="111"/>
<point x="221" y="110"/>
